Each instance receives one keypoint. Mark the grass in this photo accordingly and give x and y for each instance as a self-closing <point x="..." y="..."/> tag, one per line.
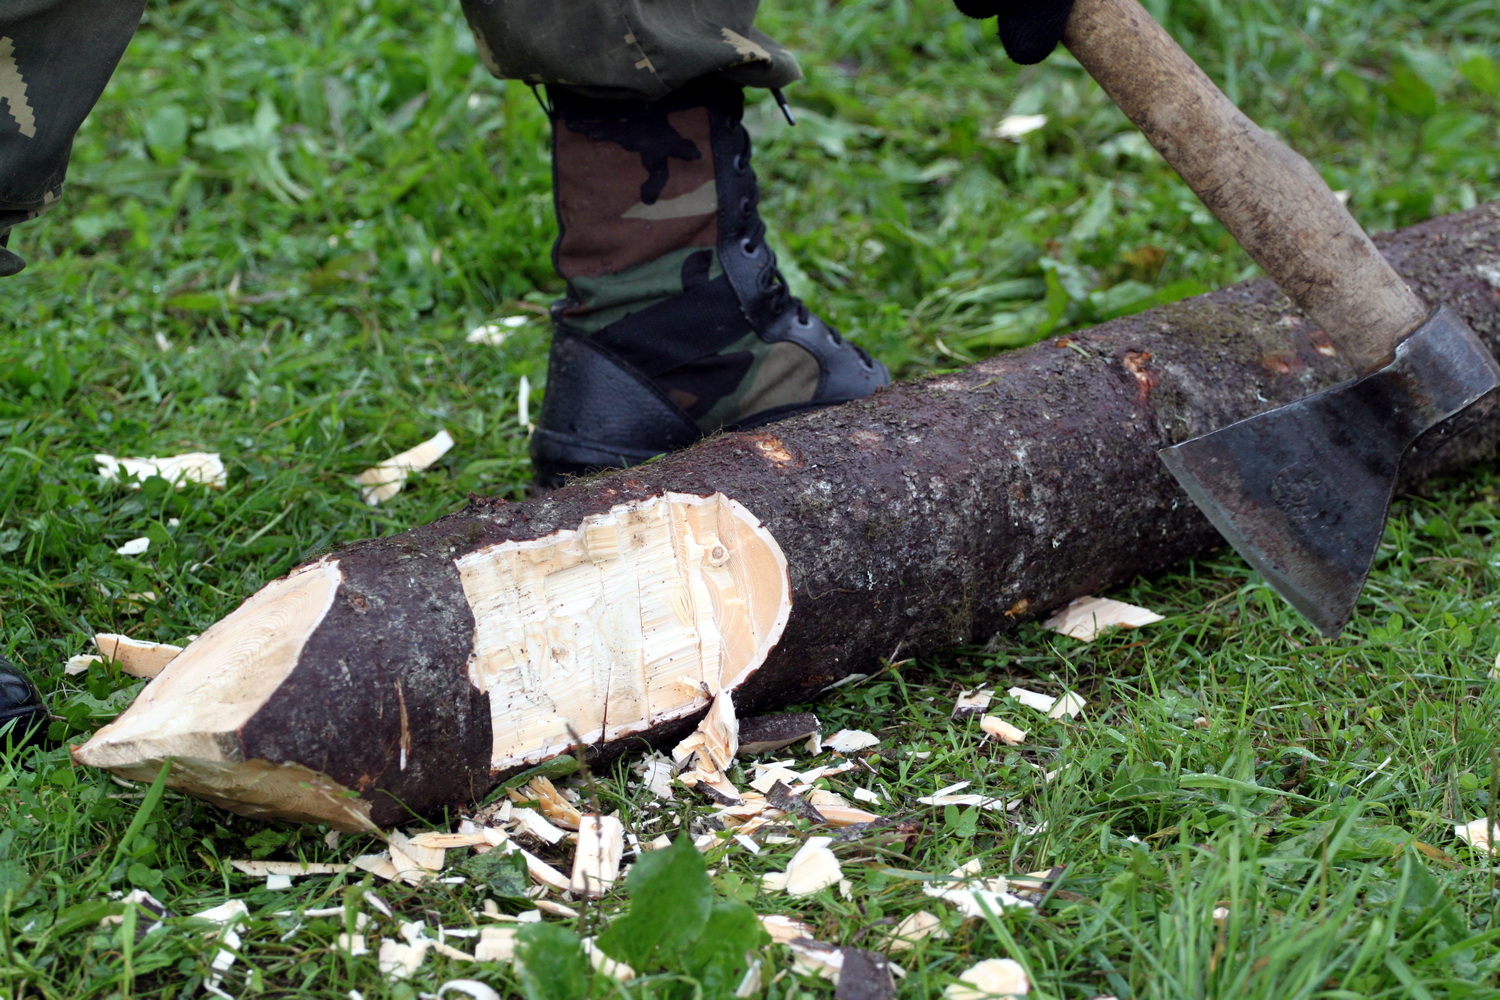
<point x="311" y="206"/>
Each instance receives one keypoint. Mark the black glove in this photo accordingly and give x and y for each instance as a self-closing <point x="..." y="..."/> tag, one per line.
<point x="1029" y="29"/>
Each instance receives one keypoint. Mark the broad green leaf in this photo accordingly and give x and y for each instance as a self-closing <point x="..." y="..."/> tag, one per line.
<point x="670" y="901"/>
<point x="550" y="963"/>
<point x="730" y="940"/>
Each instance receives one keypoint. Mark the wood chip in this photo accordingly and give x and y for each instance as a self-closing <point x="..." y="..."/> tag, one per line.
<point x="780" y="797"/>
<point x="847" y="816"/>
<point x="260" y="869"/>
<point x="135" y="656"/>
<point x="1480" y="835"/>
<point x="866" y="795"/>
<point x="816" y="958"/>
<point x="80" y="664"/>
<point x="134" y="547"/>
<point x="605" y="965"/>
<point x="811" y="869"/>
<point x="192" y="467"/>
<point x="278" y="883"/>
<point x="596" y="863"/>
<point x="768" y="733"/>
<point x="534" y="824"/>
<point x="973" y="702"/>
<point x="710" y="748"/>
<point x="496" y="944"/>
<point x="655" y="772"/>
<point x="994" y="977"/>
<point x="1086" y="617"/>
<point x="783" y="929"/>
<point x="1033" y="699"/>
<point x="426" y="857"/>
<point x="772" y="775"/>
<point x="916" y="927"/>
<point x="379" y="865"/>
<point x="354" y="944"/>
<point x="971" y="799"/>
<point x="550" y="802"/>
<point x="386" y="479"/>
<point x="1002" y="731"/>
<point x="469" y="988"/>
<point x="448" y="841"/>
<point x="1068" y="706"/>
<point x="850" y="741"/>
<point x="399" y="960"/>
<point x="864" y="975"/>
<point x="554" y="909"/>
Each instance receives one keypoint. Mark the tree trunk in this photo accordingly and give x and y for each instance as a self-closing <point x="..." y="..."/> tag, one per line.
<point x="412" y="673"/>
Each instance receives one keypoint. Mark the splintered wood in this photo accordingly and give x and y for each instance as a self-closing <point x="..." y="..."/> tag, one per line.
<point x="135" y="656"/>
<point x="193" y="467"/>
<point x="638" y="617"/>
<point x="1087" y="617"/>
<point x="385" y="480"/>
<point x="596" y="863"/>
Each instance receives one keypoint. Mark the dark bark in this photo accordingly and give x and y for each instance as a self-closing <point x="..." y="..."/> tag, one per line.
<point x="938" y="512"/>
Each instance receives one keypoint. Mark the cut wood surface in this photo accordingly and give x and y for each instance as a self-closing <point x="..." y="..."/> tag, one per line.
<point x="396" y="676"/>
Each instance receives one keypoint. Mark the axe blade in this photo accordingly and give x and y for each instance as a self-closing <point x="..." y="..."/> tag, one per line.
<point x="1301" y="491"/>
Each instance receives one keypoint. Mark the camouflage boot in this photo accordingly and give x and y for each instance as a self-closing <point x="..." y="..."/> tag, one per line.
<point x="676" y="322"/>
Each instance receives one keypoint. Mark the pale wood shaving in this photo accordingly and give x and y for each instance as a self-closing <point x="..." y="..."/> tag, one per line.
<point x="1002" y="730"/>
<point x="470" y="988"/>
<point x="816" y="958"/>
<point x="385" y="480"/>
<point x="973" y="702"/>
<point x="290" y="868"/>
<point x="496" y="944"/>
<point x="783" y="929"/>
<point x="812" y="868"/>
<point x="994" y="977"/>
<point x="605" y="965"/>
<point x="278" y="883"/>
<point x="399" y="960"/>
<point x="134" y="547"/>
<point x="1069" y="706"/>
<point x="1480" y="835"/>
<point x="136" y="657"/>
<point x="529" y="821"/>
<point x="846" y="815"/>
<point x="596" y="862"/>
<point x="354" y="944"/>
<point x="655" y="772"/>
<point x="191" y="467"/>
<point x="423" y="855"/>
<point x="80" y="664"/>
<point x="554" y="909"/>
<point x="1086" y="617"/>
<point x="866" y="795"/>
<point x="850" y="741"/>
<point x="447" y="841"/>
<point x="915" y="927"/>
<point x="771" y="774"/>
<point x="1033" y="699"/>
<point x="550" y="802"/>
<point x="973" y="799"/>
<point x="973" y="896"/>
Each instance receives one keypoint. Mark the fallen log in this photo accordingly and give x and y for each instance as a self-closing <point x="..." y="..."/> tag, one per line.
<point x="412" y="673"/>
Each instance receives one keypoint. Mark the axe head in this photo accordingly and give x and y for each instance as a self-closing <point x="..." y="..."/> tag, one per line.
<point x="1301" y="491"/>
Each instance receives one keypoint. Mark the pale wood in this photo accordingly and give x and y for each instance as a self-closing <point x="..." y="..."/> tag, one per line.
<point x="596" y="862"/>
<point x="136" y="657"/>
<point x="1269" y="197"/>
<point x="638" y="617"/>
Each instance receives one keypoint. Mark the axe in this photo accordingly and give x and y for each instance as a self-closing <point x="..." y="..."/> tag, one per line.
<point x="1301" y="491"/>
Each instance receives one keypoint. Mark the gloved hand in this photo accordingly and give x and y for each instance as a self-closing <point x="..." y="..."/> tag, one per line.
<point x="1029" y="29"/>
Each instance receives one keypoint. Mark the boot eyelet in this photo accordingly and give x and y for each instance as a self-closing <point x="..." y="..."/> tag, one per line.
<point x="746" y="206"/>
<point x="747" y="249"/>
<point x="739" y="163"/>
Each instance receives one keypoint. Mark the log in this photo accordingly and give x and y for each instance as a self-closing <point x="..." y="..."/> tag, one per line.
<point x="410" y="674"/>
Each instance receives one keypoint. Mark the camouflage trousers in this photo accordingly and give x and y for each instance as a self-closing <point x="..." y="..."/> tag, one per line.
<point x="57" y="55"/>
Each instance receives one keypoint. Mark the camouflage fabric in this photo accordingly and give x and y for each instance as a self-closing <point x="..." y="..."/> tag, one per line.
<point x="638" y="217"/>
<point x="55" y="58"/>
<point x="635" y="49"/>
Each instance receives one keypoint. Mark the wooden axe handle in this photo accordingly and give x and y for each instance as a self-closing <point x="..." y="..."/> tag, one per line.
<point x="1269" y="197"/>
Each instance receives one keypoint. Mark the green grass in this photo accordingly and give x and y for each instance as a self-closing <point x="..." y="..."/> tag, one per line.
<point x="313" y="203"/>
